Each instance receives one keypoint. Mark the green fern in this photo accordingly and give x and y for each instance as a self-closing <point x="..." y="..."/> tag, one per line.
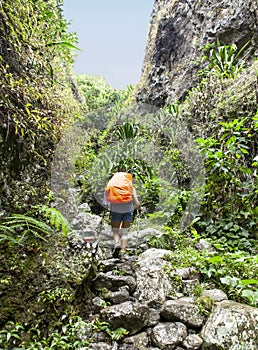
<point x="119" y="333"/>
<point x="56" y="219"/>
<point x="12" y="225"/>
<point x="8" y="237"/>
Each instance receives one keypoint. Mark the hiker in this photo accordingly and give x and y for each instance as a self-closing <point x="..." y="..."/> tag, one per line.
<point x="122" y="197"/>
<point x="80" y="180"/>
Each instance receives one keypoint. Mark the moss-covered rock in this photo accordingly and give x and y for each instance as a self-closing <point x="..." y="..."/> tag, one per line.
<point x="39" y="285"/>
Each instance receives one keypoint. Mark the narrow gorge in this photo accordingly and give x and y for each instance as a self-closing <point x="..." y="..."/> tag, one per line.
<point x="187" y="131"/>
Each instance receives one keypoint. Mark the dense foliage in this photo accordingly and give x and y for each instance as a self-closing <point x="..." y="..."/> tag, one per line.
<point x="98" y="95"/>
<point x="224" y="125"/>
<point x="36" y="104"/>
<point x="221" y="113"/>
<point x="36" y="57"/>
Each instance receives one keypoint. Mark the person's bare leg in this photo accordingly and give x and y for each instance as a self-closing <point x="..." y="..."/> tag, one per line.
<point x="116" y="236"/>
<point x="124" y="235"/>
<point x="115" y="230"/>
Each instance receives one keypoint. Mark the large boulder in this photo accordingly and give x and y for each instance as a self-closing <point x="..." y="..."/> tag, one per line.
<point x="140" y="341"/>
<point x="231" y="326"/>
<point x="132" y="316"/>
<point x="183" y="311"/>
<point x="168" y="335"/>
<point x="214" y="294"/>
<point x="192" y="342"/>
<point x="139" y="238"/>
<point x="119" y="296"/>
<point x="153" y="283"/>
<point x="114" y="282"/>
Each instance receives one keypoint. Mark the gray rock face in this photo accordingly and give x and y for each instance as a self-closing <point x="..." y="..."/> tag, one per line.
<point x="132" y="316"/>
<point x="153" y="284"/>
<point x="231" y="326"/>
<point x="113" y="282"/>
<point x="141" y="237"/>
<point x="84" y="219"/>
<point x="178" y="29"/>
<point x="154" y="317"/>
<point x="187" y="273"/>
<point x="168" y="335"/>
<point x="140" y="341"/>
<point x="192" y="342"/>
<point x="181" y="310"/>
<point x="118" y="297"/>
<point x="215" y="294"/>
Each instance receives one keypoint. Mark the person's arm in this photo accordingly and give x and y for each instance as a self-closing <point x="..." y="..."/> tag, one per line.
<point x="136" y="200"/>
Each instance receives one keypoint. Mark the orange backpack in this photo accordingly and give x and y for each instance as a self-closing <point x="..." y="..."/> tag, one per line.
<point x="120" y="188"/>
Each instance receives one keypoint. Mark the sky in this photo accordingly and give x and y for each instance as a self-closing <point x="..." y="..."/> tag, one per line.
<point x="112" y="36"/>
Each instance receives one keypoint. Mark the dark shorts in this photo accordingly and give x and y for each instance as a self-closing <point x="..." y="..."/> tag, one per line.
<point x="119" y="217"/>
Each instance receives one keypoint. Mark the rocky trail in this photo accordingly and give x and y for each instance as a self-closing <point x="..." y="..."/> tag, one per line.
<point x="158" y="307"/>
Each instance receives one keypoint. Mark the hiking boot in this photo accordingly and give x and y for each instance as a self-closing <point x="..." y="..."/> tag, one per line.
<point x="116" y="251"/>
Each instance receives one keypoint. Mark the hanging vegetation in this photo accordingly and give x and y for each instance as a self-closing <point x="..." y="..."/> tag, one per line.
<point x="36" y="56"/>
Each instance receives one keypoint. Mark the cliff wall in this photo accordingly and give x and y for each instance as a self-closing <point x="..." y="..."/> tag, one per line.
<point x="177" y="31"/>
